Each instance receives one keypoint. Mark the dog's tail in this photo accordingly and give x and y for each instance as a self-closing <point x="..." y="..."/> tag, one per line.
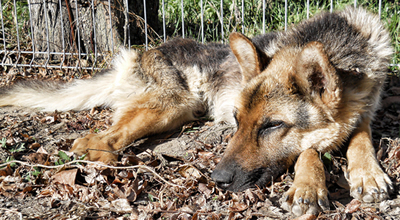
<point x="77" y="95"/>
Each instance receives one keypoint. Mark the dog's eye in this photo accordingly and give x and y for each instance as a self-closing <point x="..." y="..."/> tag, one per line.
<point x="271" y="126"/>
<point x="235" y="117"/>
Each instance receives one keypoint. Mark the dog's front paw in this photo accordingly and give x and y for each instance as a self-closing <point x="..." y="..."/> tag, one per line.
<point x="308" y="194"/>
<point x="368" y="182"/>
<point x="95" y="148"/>
<point x="306" y="198"/>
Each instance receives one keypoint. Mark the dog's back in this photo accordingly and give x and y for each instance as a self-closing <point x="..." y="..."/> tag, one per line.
<point x="208" y="72"/>
<point x="357" y="45"/>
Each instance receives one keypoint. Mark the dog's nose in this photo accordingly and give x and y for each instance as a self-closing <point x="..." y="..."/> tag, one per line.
<point x="222" y="177"/>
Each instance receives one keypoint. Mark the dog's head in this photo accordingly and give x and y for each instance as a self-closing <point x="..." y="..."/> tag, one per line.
<point x="287" y="106"/>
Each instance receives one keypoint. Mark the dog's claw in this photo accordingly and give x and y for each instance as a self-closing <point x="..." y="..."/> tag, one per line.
<point x="286" y="197"/>
<point x="324" y="203"/>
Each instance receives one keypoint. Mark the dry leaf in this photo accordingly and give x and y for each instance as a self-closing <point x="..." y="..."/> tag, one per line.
<point x="390" y="100"/>
<point x="205" y="155"/>
<point x="205" y="190"/>
<point x="306" y="217"/>
<point x="250" y="195"/>
<point x="42" y="151"/>
<point x="34" y="146"/>
<point x="234" y="216"/>
<point x="237" y="207"/>
<point x="37" y="158"/>
<point x="6" y="171"/>
<point x="353" y="206"/>
<point x="121" y="206"/>
<point x="66" y="177"/>
<point x="190" y="172"/>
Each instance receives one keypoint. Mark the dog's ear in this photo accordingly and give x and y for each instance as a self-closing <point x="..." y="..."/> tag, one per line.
<point x="316" y="75"/>
<point x="252" y="60"/>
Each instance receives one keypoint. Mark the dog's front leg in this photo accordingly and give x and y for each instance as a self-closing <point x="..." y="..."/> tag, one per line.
<point x="367" y="180"/>
<point x="308" y="194"/>
<point x="134" y="124"/>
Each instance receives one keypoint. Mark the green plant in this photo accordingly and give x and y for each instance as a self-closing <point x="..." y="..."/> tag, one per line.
<point x="151" y="197"/>
<point x="64" y="158"/>
<point x="15" y="18"/>
<point x="17" y="148"/>
<point x="35" y="173"/>
<point x="327" y="160"/>
<point x="10" y="158"/>
<point x="253" y="17"/>
<point x="3" y="142"/>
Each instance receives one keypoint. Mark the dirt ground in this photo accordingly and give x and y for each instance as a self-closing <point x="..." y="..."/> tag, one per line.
<point x="166" y="176"/>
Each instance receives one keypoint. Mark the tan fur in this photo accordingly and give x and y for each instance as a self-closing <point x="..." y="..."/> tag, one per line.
<point x="366" y="178"/>
<point x="152" y="92"/>
<point x="313" y="96"/>
<point x="250" y="65"/>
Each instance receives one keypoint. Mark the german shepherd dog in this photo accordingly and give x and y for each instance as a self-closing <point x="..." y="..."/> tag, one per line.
<point x="292" y="95"/>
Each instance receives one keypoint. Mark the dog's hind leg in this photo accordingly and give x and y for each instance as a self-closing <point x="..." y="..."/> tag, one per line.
<point x="308" y="194"/>
<point x="366" y="179"/>
<point x="133" y="124"/>
<point x="164" y="105"/>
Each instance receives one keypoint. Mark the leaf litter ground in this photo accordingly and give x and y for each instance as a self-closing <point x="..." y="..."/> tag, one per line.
<point x="166" y="176"/>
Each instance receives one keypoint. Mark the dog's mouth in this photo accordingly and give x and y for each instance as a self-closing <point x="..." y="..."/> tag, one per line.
<point x="239" y="180"/>
<point x="230" y="176"/>
<point x="243" y="184"/>
<point x="224" y="185"/>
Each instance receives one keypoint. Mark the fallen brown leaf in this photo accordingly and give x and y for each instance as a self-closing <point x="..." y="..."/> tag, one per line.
<point x="190" y="172"/>
<point x="34" y="146"/>
<point x="237" y="207"/>
<point x="205" y="190"/>
<point x="6" y="171"/>
<point x="306" y="217"/>
<point x="390" y="100"/>
<point x="353" y="206"/>
<point x="66" y="177"/>
<point x="37" y="158"/>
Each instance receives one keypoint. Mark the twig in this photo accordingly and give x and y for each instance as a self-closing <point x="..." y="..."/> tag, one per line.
<point x="72" y="164"/>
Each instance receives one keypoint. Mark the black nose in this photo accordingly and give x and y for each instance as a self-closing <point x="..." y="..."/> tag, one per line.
<point x="222" y="176"/>
<point x="224" y="173"/>
<point x="230" y="176"/>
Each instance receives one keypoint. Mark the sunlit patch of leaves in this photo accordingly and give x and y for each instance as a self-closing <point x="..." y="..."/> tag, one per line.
<point x="187" y="192"/>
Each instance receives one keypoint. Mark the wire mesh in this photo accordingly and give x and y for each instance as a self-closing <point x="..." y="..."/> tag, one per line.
<point x="72" y="49"/>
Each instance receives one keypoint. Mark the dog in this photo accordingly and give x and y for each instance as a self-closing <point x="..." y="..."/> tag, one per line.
<point x="292" y="95"/>
<point x="310" y="90"/>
